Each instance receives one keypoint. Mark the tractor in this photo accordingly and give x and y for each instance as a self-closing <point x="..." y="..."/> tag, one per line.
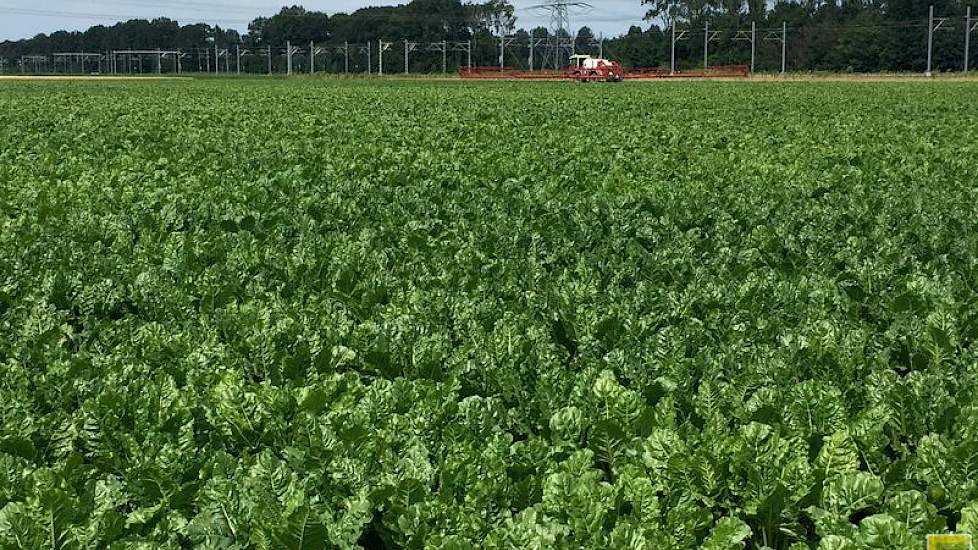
<point x="585" y="68"/>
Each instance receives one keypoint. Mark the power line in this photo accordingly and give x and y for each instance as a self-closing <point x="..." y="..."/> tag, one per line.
<point x="192" y="4"/>
<point x="184" y="4"/>
<point x="112" y="17"/>
<point x="121" y="17"/>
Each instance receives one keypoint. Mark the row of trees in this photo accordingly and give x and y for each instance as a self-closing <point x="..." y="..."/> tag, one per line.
<point x="418" y="20"/>
<point x="836" y="35"/>
<point x="828" y="35"/>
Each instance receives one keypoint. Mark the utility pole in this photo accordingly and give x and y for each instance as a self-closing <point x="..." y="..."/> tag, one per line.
<point x="969" y="27"/>
<point x="711" y="36"/>
<point x="288" y="57"/>
<point x="672" y="50"/>
<point x="930" y="38"/>
<point x="933" y="24"/>
<point x="503" y="42"/>
<point x="502" y="53"/>
<point x="217" y="59"/>
<point x="753" y="42"/>
<point x="470" y="54"/>
<point x="706" y="44"/>
<point x="408" y="48"/>
<point x="312" y="58"/>
<point x="382" y="47"/>
<point x="675" y="38"/>
<point x="784" y="46"/>
<point x="269" y="52"/>
<point x="534" y="43"/>
<point x="369" y="48"/>
<point x="238" y="57"/>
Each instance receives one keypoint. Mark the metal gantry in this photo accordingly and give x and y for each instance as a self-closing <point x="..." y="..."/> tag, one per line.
<point x="675" y="38"/>
<point x="503" y="42"/>
<point x="368" y="48"/>
<point x="780" y="37"/>
<point x="159" y="55"/>
<point x="744" y="36"/>
<point x="345" y="50"/>
<point x="464" y="47"/>
<point x="34" y="60"/>
<point x="534" y="44"/>
<point x="218" y="54"/>
<point x="441" y="47"/>
<point x="80" y="57"/>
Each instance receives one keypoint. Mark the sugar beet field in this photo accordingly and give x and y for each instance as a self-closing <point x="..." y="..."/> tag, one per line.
<point x="321" y="314"/>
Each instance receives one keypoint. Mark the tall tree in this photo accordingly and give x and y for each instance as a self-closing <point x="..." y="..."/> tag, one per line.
<point x="585" y="39"/>
<point x="496" y="16"/>
<point x="666" y="11"/>
<point x="293" y="24"/>
<point x="679" y="11"/>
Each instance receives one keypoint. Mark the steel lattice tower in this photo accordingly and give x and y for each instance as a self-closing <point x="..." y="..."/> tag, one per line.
<point x="561" y="39"/>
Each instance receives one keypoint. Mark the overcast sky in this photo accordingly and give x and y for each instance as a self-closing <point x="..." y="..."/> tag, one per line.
<point x="26" y="18"/>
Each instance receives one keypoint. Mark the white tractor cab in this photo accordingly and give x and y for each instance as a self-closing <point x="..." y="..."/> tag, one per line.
<point x="586" y="68"/>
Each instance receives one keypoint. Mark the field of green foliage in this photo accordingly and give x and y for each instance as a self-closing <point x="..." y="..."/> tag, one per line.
<point x="321" y="314"/>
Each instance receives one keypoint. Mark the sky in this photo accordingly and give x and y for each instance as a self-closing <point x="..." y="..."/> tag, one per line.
<point x="26" y="18"/>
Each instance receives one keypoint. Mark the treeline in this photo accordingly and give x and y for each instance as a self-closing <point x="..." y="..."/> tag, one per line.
<point x="822" y="35"/>
<point x="419" y="21"/>
<point x="831" y="35"/>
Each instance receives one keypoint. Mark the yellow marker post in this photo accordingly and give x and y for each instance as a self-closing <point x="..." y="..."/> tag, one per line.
<point x="949" y="542"/>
